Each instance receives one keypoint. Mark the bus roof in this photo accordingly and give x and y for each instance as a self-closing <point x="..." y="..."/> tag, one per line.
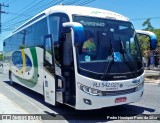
<point x="74" y="10"/>
<point x="85" y="11"/>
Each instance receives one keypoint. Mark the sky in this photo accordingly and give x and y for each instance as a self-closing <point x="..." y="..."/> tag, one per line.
<point x="136" y="10"/>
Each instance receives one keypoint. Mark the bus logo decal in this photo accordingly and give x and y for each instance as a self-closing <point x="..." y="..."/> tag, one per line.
<point x="21" y="61"/>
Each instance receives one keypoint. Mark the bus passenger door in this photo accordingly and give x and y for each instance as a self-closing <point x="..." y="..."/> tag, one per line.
<point x="49" y="71"/>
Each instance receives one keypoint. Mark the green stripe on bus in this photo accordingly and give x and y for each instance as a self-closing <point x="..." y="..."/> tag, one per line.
<point x="33" y="81"/>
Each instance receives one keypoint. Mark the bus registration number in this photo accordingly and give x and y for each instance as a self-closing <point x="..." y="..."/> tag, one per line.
<point x="108" y="86"/>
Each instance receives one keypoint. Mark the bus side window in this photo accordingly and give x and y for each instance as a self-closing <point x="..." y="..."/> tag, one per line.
<point x="57" y="30"/>
<point x="54" y="27"/>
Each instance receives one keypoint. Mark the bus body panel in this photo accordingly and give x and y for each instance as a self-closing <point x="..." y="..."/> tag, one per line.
<point x="102" y="101"/>
<point x="106" y="101"/>
<point x="49" y="88"/>
<point x="30" y="72"/>
<point x="26" y="69"/>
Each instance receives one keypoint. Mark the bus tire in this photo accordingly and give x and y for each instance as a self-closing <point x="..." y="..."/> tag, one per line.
<point x="10" y="78"/>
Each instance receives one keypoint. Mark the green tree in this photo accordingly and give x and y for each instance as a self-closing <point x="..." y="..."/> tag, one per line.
<point x="147" y="24"/>
<point x="144" y="43"/>
<point x="1" y="57"/>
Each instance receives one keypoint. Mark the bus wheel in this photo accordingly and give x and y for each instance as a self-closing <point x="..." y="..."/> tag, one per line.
<point x="10" y="78"/>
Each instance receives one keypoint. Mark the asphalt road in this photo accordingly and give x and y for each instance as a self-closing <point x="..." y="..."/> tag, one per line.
<point x="30" y="102"/>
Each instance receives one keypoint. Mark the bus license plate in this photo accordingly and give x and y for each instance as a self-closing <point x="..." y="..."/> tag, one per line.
<point x="121" y="99"/>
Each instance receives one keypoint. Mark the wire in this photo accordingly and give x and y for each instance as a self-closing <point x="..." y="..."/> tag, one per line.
<point x="15" y="17"/>
<point x="5" y="1"/>
<point x="30" y="10"/>
<point x="17" y="14"/>
<point x="38" y="7"/>
<point x="18" y="23"/>
<point x="137" y="19"/>
<point x="10" y="2"/>
<point x="69" y="2"/>
<point x="28" y="15"/>
<point x="47" y="5"/>
<point x="14" y="24"/>
<point x="86" y="2"/>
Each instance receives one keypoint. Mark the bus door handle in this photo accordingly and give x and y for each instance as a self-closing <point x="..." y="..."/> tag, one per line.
<point x="63" y="86"/>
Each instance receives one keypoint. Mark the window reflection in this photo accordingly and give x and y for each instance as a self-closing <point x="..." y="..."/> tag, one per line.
<point x="111" y="41"/>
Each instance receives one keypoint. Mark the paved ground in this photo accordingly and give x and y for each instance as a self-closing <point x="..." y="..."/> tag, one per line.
<point x="9" y="107"/>
<point x="152" y="76"/>
<point x="17" y="99"/>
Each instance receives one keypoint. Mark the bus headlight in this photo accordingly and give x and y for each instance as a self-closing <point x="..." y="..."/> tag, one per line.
<point x="140" y="86"/>
<point x="89" y="90"/>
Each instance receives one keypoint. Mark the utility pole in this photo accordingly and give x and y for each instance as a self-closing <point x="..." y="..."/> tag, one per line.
<point x="24" y="33"/>
<point x="1" y="13"/>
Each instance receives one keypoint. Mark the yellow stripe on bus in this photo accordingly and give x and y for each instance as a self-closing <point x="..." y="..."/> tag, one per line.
<point x="22" y="71"/>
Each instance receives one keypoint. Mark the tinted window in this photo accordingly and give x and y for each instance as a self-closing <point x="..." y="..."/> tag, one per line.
<point x="56" y="29"/>
<point x="41" y="31"/>
<point x="28" y="37"/>
<point x="35" y="33"/>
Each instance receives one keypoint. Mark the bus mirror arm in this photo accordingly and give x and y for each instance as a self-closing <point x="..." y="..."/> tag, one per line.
<point x="78" y="32"/>
<point x="63" y="89"/>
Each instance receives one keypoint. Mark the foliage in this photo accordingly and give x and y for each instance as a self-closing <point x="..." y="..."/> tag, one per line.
<point x="144" y="41"/>
<point x="1" y="57"/>
<point x="148" y="24"/>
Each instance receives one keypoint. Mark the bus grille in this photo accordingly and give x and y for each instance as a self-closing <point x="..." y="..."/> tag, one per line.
<point x="116" y="93"/>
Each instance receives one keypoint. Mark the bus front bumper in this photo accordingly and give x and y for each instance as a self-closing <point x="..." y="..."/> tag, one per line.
<point x="85" y="101"/>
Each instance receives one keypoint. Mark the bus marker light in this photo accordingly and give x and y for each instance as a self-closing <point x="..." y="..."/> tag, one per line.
<point x="120" y="99"/>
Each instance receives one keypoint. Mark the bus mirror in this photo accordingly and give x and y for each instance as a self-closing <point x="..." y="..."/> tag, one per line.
<point x="152" y="37"/>
<point x="78" y="32"/>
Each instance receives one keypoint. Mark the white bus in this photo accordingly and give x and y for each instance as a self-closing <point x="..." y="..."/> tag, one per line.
<point x="46" y="54"/>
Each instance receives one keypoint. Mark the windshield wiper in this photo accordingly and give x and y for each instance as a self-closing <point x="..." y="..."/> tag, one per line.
<point x="123" y="50"/>
<point x="110" y="58"/>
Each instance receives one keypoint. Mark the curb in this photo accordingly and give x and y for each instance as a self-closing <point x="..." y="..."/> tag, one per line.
<point x="152" y="81"/>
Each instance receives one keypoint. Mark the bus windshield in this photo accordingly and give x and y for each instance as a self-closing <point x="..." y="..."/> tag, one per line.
<point x="110" y="47"/>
